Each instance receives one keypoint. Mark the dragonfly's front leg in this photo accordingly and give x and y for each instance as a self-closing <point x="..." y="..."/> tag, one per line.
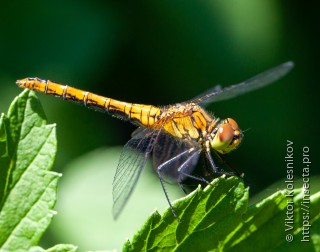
<point x="215" y="168"/>
<point x="182" y="188"/>
<point x="235" y="171"/>
<point x="183" y="175"/>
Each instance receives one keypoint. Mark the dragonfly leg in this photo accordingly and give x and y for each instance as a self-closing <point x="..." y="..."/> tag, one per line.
<point x="212" y="164"/>
<point x="215" y="168"/>
<point x="235" y="171"/>
<point x="193" y="177"/>
<point x="166" y="194"/>
<point x="182" y="188"/>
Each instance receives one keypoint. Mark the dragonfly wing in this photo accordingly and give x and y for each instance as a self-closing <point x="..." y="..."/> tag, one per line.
<point x="171" y="154"/>
<point x="138" y="132"/>
<point x="254" y="83"/>
<point x="215" y="89"/>
<point x="132" y="160"/>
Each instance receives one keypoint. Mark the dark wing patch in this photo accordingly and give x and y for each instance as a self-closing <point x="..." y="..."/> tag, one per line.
<point x="172" y="154"/>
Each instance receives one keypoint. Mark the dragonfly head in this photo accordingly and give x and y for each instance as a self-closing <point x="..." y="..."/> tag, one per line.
<point x="226" y="136"/>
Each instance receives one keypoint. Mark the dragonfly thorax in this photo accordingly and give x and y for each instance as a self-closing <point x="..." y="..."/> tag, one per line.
<point x="226" y="136"/>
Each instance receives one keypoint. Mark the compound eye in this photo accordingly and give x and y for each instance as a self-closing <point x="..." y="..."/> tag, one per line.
<point x="227" y="137"/>
<point x="226" y="133"/>
<point x="233" y="123"/>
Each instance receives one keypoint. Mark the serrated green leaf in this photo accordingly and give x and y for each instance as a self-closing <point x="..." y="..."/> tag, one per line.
<point x="207" y="217"/>
<point x="28" y="187"/>
<point x="313" y="230"/>
<point x="267" y="219"/>
<point x="217" y="219"/>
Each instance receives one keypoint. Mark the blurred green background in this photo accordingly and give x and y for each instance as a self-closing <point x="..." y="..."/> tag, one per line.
<point x="160" y="52"/>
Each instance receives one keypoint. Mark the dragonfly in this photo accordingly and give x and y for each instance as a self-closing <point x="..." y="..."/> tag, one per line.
<point x="174" y="136"/>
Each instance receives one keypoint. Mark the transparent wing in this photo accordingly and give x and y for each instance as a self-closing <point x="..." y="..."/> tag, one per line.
<point x="266" y="78"/>
<point x="132" y="160"/>
<point x="215" y="89"/>
<point x="171" y="154"/>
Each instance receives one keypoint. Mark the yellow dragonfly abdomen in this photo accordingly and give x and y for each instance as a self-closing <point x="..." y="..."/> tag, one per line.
<point x="145" y="115"/>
